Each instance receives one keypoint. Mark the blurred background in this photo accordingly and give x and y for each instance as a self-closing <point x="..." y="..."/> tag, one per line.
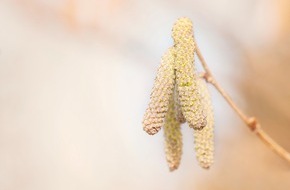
<point x="76" y="76"/>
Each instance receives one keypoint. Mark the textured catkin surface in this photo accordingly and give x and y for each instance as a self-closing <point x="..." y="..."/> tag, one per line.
<point x="204" y="139"/>
<point x="179" y="96"/>
<point x="178" y="112"/>
<point x="186" y="77"/>
<point x="161" y="93"/>
<point x="173" y="138"/>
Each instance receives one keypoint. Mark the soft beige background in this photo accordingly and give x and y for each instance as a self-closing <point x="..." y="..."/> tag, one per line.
<point x="75" y="78"/>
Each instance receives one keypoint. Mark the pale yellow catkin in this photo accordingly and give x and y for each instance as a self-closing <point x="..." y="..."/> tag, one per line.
<point x="186" y="74"/>
<point x="179" y="95"/>
<point x="161" y="93"/>
<point x="204" y="139"/>
<point x="173" y="138"/>
<point x="178" y="112"/>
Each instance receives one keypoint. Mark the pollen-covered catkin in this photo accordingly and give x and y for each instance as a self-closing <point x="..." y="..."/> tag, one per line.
<point x="179" y="96"/>
<point x="173" y="138"/>
<point x="161" y="93"/>
<point x="178" y="112"/>
<point x="186" y="75"/>
<point x="204" y="139"/>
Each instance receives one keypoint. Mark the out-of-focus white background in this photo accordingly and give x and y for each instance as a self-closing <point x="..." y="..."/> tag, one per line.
<point x="75" y="78"/>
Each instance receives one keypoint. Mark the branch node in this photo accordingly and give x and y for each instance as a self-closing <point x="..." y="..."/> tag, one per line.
<point x="253" y="123"/>
<point x="208" y="78"/>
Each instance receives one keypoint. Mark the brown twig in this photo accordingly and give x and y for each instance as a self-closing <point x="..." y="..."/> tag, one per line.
<point x="251" y="122"/>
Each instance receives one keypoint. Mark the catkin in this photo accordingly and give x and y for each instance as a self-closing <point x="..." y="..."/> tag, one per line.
<point x="178" y="112"/>
<point x="179" y="96"/>
<point x="186" y="77"/>
<point x="173" y="138"/>
<point x="204" y="139"/>
<point x="161" y="93"/>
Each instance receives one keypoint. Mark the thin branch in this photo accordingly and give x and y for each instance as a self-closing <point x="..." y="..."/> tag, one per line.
<point x="251" y="122"/>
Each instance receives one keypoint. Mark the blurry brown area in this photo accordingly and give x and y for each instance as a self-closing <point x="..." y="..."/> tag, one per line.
<point x="265" y="86"/>
<point x="267" y="90"/>
<point x="75" y="78"/>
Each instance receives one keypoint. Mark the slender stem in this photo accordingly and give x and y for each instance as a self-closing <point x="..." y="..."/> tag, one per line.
<point x="251" y="122"/>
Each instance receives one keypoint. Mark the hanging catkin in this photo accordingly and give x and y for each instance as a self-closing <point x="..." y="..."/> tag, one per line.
<point x="179" y="96"/>
<point x="186" y="75"/>
<point x="161" y="93"/>
<point x="173" y="138"/>
<point x="204" y="139"/>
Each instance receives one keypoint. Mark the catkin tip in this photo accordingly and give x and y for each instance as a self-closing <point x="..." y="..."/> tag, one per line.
<point x="173" y="168"/>
<point x="183" y="26"/>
